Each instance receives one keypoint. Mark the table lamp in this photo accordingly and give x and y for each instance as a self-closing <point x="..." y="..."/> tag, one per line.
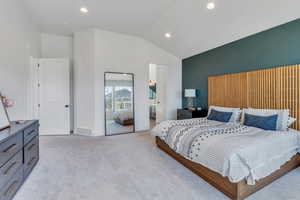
<point x="190" y="94"/>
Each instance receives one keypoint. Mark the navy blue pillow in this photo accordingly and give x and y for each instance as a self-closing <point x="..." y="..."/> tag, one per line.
<point x="219" y="116"/>
<point x="263" y="122"/>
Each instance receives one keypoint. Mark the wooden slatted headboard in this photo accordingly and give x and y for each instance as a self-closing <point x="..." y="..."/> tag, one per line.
<point x="276" y="88"/>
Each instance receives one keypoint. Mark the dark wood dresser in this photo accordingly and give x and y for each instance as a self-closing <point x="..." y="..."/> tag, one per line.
<point x="19" y="153"/>
<point x="189" y="114"/>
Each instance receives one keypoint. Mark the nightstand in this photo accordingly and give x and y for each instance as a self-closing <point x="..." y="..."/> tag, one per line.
<point x="189" y="114"/>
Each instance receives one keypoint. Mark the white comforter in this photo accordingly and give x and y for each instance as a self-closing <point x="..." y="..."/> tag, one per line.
<point x="164" y="127"/>
<point x="123" y="115"/>
<point x="233" y="150"/>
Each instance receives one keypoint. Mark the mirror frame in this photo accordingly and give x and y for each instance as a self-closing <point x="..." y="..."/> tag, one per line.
<point x="133" y="105"/>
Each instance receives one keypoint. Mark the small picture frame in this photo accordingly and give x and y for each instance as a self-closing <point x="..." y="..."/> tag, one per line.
<point x="4" y="119"/>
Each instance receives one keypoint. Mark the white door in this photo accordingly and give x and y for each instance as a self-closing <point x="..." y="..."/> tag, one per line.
<point x="161" y="77"/>
<point x="54" y="96"/>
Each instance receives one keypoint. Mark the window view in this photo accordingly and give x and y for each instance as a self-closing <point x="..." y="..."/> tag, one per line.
<point x="118" y="98"/>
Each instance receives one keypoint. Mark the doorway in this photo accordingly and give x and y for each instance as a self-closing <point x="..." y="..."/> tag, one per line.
<point x="53" y="96"/>
<point x="157" y="93"/>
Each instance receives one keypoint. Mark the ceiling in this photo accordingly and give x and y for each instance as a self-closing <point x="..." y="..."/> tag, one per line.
<point x="193" y="27"/>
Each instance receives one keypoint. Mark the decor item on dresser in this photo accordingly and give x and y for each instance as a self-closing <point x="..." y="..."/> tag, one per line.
<point x="19" y="153"/>
<point x="189" y="114"/>
<point x="190" y="94"/>
<point x="4" y="119"/>
<point x="7" y="102"/>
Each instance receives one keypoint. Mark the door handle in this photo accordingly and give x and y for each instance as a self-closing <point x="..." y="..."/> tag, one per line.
<point x="66" y="106"/>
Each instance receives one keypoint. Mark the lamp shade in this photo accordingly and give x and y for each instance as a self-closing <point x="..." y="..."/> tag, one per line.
<point x="189" y="93"/>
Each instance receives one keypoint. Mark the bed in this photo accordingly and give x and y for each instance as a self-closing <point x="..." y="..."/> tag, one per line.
<point x="225" y="149"/>
<point x="124" y="118"/>
<point x="249" y="161"/>
<point x="235" y="191"/>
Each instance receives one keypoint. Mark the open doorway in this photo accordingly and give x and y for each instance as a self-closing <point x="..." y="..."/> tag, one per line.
<point x="157" y="94"/>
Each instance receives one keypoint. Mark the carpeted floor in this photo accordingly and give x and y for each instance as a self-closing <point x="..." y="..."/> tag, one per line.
<point x="125" y="167"/>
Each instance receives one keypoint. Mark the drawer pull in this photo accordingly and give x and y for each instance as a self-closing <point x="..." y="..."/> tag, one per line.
<point x="10" y="148"/>
<point x="31" y="161"/>
<point x="11" y="188"/>
<point x="31" y="132"/>
<point x="30" y="147"/>
<point x="9" y="168"/>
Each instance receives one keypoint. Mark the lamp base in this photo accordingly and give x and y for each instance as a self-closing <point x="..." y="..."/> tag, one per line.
<point x="190" y="103"/>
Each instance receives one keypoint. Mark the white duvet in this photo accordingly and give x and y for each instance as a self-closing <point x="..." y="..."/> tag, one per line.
<point x="123" y="115"/>
<point x="232" y="150"/>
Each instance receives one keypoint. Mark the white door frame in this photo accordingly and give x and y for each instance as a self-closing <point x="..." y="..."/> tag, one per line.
<point x="33" y="89"/>
<point x="32" y="97"/>
<point x="164" y="97"/>
<point x="165" y="68"/>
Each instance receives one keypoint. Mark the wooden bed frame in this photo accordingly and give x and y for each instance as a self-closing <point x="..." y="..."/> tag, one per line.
<point x="275" y="88"/>
<point x="235" y="191"/>
<point x="127" y="122"/>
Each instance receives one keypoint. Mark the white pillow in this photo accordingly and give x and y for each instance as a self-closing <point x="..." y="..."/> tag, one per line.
<point x="236" y="112"/>
<point x="291" y="120"/>
<point x="282" y="120"/>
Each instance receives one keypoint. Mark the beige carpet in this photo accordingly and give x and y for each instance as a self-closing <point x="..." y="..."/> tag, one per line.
<point x="126" y="167"/>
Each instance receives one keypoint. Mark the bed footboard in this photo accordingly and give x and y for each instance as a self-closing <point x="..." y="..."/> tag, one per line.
<point x="235" y="191"/>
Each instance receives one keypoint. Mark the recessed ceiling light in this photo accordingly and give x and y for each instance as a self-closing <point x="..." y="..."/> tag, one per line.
<point x="168" y="35"/>
<point x="84" y="10"/>
<point x="211" y="6"/>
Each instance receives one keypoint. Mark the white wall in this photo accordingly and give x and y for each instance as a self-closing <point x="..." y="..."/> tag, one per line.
<point x="19" y="39"/>
<point x="120" y="53"/>
<point x="84" y="83"/>
<point x="56" y="46"/>
<point x="59" y="46"/>
<point x="152" y="72"/>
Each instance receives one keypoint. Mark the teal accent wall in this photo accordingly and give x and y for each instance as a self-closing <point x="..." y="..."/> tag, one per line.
<point x="275" y="47"/>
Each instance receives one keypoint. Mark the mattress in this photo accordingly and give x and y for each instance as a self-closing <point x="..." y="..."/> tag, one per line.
<point x="123" y="116"/>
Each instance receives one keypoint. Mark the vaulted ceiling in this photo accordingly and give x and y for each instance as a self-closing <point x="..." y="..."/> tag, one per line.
<point x="193" y="27"/>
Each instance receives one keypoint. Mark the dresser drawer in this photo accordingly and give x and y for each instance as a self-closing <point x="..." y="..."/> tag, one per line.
<point x="30" y="132"/>
<point x="10" y="147"/>
<point x="31" y="155"/>
<point x="8" y="170"/>
<point x="10" y="189"/>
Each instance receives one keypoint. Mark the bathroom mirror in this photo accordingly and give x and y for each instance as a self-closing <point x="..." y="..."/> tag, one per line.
<point x="119" y="103"/>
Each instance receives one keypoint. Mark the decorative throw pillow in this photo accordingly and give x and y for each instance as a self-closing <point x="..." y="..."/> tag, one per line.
<point x="236" y="112"/>
<point x="263" y="122"/>
<point x="282" y="120"/>
<point x="219" y="116"/>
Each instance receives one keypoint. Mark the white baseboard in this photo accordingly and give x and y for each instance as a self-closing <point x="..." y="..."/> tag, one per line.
<point x="84" y="132"/>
